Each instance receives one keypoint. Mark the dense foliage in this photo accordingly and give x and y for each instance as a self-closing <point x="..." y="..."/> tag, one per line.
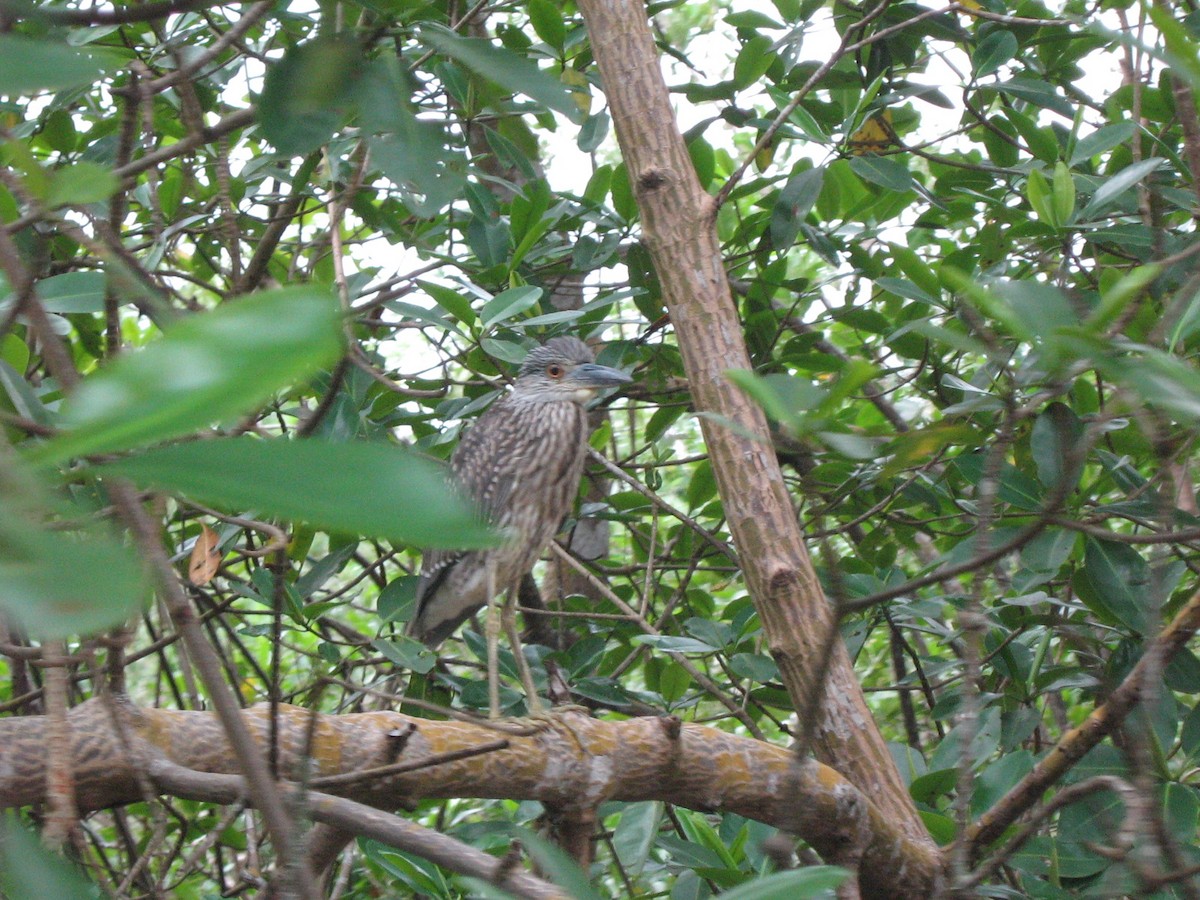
<point x="963" y="245"/>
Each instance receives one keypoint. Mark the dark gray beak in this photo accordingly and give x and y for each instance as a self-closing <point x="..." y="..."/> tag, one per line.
<point x="596" y="376"/>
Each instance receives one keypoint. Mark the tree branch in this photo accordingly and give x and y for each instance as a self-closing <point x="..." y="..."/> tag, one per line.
<point x="1072" y="746"/>
<point x="568" y="762"/>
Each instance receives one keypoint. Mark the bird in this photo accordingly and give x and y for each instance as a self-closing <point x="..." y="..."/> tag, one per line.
<point x="520" y="463"/>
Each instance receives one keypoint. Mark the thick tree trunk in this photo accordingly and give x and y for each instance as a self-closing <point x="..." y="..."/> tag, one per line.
<point x="678" y="227"/>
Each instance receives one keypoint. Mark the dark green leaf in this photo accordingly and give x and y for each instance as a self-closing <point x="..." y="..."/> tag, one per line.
<point x="1102" y="140"/>
<point x="28" y="66"/>
<point x="883" y="171"/>
<point x="73" y="292"/>
<point x="509" y="304"/>
<point x="57" y="583"/>
<point x="994" y="50"/>
<point x="204" y="371"/>
<point x="505" y="68"/>
<point x="397" y="599"/>
<point x="1055" y="444"/>
<point x="811" y="881"/>
<point x="754" y="666"/>
<point x="547" y="21"/>
<point x="28" y="871"/>
<point x="24" y="401"/>
<point x="373" y="489"/>
<point x="998" y="778"/>
<point x="80" y="184"/>
<point x="1114" y="187"/>
<point x="673" y="644"/>
<point x="1049" y="550"/>
<point x="1120" y="579"/>
<point x="407" y="654"/>
<point x="635" y="834"/>
<point x="451" y="300"/>
<point x="307" y="95"/>
<point x="795" y="201"/>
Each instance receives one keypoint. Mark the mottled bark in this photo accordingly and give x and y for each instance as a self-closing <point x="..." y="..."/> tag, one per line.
<point x="568" y="762"/>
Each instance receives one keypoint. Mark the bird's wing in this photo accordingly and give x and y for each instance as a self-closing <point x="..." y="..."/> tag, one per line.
<point x="478" y="471"/>
<point x="482" y="466"/>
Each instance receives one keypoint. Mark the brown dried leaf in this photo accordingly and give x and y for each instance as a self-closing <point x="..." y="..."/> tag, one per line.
<point x="206" y="558"/>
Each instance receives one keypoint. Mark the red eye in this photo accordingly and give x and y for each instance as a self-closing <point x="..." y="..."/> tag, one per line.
<point x="555" y="371"/>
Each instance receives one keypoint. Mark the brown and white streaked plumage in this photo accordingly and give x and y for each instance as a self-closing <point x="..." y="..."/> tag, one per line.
<point x="520" y="463"/>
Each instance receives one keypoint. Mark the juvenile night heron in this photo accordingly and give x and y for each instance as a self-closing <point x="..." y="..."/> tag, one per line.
<point x="520" y="463"/>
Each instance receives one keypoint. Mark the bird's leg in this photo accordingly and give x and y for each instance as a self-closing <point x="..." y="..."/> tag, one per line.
<point x="491" y="630"/>
<point x="509" y="617"/>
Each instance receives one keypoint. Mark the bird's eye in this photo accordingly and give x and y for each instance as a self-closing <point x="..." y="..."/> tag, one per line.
<point x="555" y="371"/>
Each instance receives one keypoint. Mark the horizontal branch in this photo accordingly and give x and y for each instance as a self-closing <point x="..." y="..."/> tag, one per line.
<point x="569" y="761"/>
<point x="364" y="821"/>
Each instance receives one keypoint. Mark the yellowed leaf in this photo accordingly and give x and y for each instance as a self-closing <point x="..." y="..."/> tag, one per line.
<point x="764" y="157"/>
<point x="206" y="558"/>
<point x="875" y="135"/>
<point x="581" y="90"/>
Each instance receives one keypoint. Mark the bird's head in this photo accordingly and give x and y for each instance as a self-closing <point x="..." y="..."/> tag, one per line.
<point x="564" y="368"/>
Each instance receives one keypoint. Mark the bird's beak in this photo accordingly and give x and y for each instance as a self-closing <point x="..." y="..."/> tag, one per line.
<point x="591" y="375"/>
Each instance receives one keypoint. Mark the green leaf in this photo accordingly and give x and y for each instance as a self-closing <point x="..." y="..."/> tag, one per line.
<point x="1158" y="378"/>
<point x="28" y="66"/>
<point x="372" y="489"/>
<point x="994" y="50"/>
<point x="782" y="397"/>
<point x="1064" y="194"/>
<point x="1049" y="550"/>
<point x="1114" y="187"/>
<point x="397" y="599"/>
<point x="1181" y="46"/>
<point x="1042" y="308"/>
<point x="1056" y="448"/>
<point x="754" y="666"/>
<point x="987" y="302"/>
<point x="752" y="61"/>
<point x="1019" y="489"/>
<point x="505" y="68"/>
<point x="672" y="643"/>
<point x="307" y="95"/>
<point x="883" y="171"/>
<point x="509" y="304"/>
<point x="57" y="582"/>
<point x="1042" y="142"/>
<point x="80" y="184"/>
<point x="547" y="21"/>
<point x="451" y="300"/>
<point x="24" y="401"/>
<point x="1102" y="140"/>
<point x="796" y="199"/>
<point x="717" y="635"/>
<point x="1115" y="298"/>
<point x="998" y="778"/>
<point x="416" y="155"/>
<point x="811" y="881"/>
<point x="407" y="654"/>
<point x="634" y="836"/>
<point x="1037" y="190"/>
<point x="555" y="864"/>
<point x="1120" y="581"/>
<point x="702" y="486"/>
<point x="28" y="871"/>
<point x="206" y="370"/>
<point x="73" y="292"/>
